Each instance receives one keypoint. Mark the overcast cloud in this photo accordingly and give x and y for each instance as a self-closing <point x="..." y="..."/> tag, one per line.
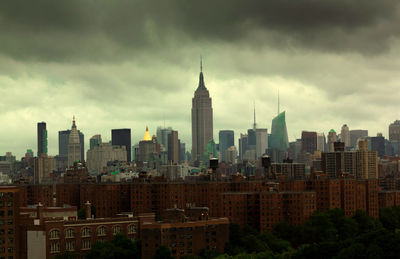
<point x="128" y="64"/>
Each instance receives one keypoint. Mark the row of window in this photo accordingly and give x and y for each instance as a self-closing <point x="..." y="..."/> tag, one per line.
<point x="9" y="213"/>
<point x="70" y="246"/>
<point x="9" y="204"/>
<point x="87" y="232"/>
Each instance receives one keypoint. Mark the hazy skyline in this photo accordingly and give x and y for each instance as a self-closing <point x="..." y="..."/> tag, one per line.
<point x="128" y="64"/>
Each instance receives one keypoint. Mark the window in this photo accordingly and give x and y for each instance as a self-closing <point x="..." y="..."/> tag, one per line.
<point x="10" y="213"/>
<point x="131" y="229"/>
<point x="9" y="204"/>
<point x="86" y="244"/>
<point x="55" y="234"/>
<point x="70" y="246"/>
<point x="10" y="231"/>
<point x="86" y="232"/>
<point x="54" y="247"/>
<point x="117" y="230"/>
<point x="10" y="222"/>
<point x="69" y="233"/>
<point x="10" y="249"/>
<point x="1" y="241"/>
<point x="101" y="231"/>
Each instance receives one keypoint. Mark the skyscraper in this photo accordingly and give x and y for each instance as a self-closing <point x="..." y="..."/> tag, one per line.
<point x="261" y="142"/>
<point x="356" y="135"/>
<point x="182" y="151"/>
<point x="243" y="140"/>
<point x="321" y="142"/>
<point x="345" y="135"/>
<point x="394" y="131"/>
<point x="95" y="141"/>
<point x="202" y="119"/>
<point x="173" y="147"/>
<point x="394" y="134"/>
<point x="279" y="137"/>
<point x="63" y="140"/>
<point x="308" y="142"/>
<point x="226" y="140"/>
<point x="122" y="137"/>
<point x="332" y="138"/>
<point x="378" y="144"/>
<point x="41" y="138"/>
<point x="74" y="146"/>
<point x="162" y="136"/>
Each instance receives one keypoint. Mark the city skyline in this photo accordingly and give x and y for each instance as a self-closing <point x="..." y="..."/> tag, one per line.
<point x="331" y="67"/>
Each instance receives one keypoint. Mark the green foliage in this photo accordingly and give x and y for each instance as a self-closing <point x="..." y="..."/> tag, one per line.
<point x="162" y="252"/>
<point x="81" y="213"/>
<point x="120" y="247"/>
<point x="66" y="255"/>
<point x="326" y="234"/>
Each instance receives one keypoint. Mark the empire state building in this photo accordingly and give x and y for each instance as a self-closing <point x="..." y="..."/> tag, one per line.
<point x="202" y="119"/>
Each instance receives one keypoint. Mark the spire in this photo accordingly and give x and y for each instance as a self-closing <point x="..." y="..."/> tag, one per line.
<point x="278" y="103"/>
<point x="201" y="77"/>
<point x="254" y="124"/>
<point x="147" y="136"/>
<point x="73" y="121"/>
<point x="201" y="63"/>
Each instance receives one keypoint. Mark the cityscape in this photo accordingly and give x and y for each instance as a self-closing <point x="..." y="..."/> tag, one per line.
<point x="199" y="130"/>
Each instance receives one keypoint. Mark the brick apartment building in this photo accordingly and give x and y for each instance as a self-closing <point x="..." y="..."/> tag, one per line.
<point x="48" y="231"/>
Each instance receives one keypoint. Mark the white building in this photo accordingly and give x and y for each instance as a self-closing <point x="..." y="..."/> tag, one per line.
<point x="345" y="135"/>
<point x="321" y="142"/>
<point x="261" y="142"/>
<point x="74" y="146"/>
<point x="231" y="154"/>
<point x="98" y="157"/>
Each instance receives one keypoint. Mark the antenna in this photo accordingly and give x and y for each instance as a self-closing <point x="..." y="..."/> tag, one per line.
<point x="254" y="124"/>
<point x="201" y="63"/>
<point x="278" y="103"/>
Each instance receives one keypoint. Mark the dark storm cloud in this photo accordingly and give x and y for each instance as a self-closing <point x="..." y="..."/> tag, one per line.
<point x="97" y="30"/>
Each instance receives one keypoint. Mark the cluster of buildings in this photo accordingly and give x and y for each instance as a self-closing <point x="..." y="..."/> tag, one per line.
<point x="44" y="231"/>
<point x="158" y="192"/>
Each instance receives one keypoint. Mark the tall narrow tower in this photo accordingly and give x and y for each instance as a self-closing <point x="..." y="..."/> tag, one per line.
<point x="74" y="146"/>
<point x="202" y="119"/>
<point x="41" y="138"/>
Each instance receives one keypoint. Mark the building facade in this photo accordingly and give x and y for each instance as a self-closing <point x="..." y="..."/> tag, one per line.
<point x="122" y="137"/>
<point x="41" y="138"/>
<point x="226" y="140"/>
<point x="74" y="145"/>
<point x="345" y="135"/>
<point x="202" y="120"/>
<point x="98" y="157"/>
<point x="261" y="142"/>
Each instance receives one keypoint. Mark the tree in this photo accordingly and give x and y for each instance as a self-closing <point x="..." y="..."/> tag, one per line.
<point x="66" y="255"/>
<point x="162" y="252"/>
<point x="120" y="247"/>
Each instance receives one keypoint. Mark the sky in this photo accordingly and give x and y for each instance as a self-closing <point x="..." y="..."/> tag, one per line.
<point x="128" y="64"/>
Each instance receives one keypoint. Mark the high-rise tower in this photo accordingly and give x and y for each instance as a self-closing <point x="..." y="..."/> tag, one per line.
<point x="41" y="138"/>
<point x="202" y="119"/>
<point x="345" y="135"/>
<point x="74" y="146"/>
<point x="122" y="137"/>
